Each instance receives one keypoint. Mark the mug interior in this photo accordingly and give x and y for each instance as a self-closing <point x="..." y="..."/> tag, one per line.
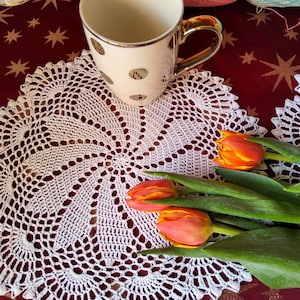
<point x="131" y="21"/>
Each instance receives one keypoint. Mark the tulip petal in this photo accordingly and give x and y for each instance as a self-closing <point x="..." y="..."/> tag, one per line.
<point x="184" y="227"/>
<point x="184" y="232"/>
<point x="148" y="207"/>
<point x="223" y="164"/>
<point x="235" y="152"/>
<point x="151" y="190"/>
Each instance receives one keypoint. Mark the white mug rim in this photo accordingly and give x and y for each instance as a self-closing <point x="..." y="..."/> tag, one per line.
<point x="171" y="29"/>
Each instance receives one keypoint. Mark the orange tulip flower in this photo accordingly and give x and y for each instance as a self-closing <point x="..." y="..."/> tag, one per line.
<point x="151" y="190"/>
<point x="237" y="153"/>
<point x="184" y="227"/>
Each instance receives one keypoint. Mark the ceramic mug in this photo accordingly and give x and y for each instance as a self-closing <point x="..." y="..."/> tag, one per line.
<point x="134" y="44"/>
<point x="12" y="2"/>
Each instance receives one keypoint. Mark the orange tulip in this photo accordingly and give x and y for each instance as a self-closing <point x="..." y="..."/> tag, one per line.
<point x="237" y="153"/>
<point x="151" y="190"/>
<point x="184" y="227"/>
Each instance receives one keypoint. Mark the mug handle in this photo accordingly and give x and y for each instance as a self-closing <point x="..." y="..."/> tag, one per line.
<point x="204" y="22"/>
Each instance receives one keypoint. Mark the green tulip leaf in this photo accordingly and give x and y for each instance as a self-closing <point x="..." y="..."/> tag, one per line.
<point x="289" y="152"/>
<point x="259" y="209"/>
<point x="294" y="188"/>
<point x="208" y="186"/>
<point x="270" y="254"/>
<point x="259" y="183"/>
<point x="242" y="223"/>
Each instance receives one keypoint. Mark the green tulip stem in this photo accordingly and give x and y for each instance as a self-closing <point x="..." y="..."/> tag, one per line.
<point x="183" y="191"/>
<point x="277" y="156"/>
<point x="226" y="229"/>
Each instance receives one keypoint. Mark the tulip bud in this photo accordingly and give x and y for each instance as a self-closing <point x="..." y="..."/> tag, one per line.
<point x="151" y="190"/>
<point x="184" y="227"/>
<point x="237" y="153"/>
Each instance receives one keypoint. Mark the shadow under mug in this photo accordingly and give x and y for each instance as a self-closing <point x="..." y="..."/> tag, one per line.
<point x="135" y="44"/>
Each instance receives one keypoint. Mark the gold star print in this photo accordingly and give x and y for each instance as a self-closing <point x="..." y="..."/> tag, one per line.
<point x="12" y="36"/>
<point x="33" y="23"/>
<point x="3" y="15"/>
<point x="251" y="111"/>
<point x="72" y="56"/>
<point x="57" y="36"/>
<point x="228" y="82"/>
<point x="284" y="69"/>
<point x="291" y="35"/>
<point x="228" y="38"/>
<point x="47" y="2"/>
<point x="50" y="1"/>
<point x="261" y="17"/>
<point x="17" y="68"/>
<point x="229" y="295"/>
<point x="247" y="58"/>
<point x="273" y="294"/>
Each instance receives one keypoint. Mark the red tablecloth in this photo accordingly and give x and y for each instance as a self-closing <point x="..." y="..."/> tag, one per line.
<point x="258" y="58"/>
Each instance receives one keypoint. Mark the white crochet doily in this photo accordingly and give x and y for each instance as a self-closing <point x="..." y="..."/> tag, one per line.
<point x="287" y="128"/>
<point x="69" y="151"/>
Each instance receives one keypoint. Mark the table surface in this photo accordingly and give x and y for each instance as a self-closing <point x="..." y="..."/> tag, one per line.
<point x="258" y="59"/>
